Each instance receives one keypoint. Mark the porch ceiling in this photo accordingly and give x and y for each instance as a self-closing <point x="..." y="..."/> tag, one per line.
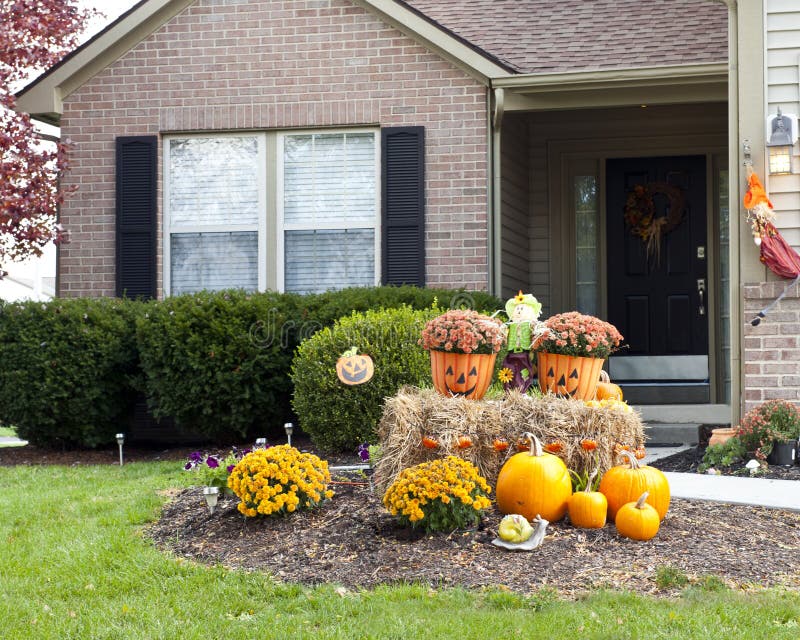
<point x="681" y="84"/>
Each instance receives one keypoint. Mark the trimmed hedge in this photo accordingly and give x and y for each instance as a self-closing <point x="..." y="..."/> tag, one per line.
<point x="337" y="416"/>
<point x="217" y="362"/>
<point x="66" y="369"/>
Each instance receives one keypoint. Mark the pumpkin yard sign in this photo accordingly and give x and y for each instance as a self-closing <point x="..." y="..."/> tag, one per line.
<point x="353" y="368"/>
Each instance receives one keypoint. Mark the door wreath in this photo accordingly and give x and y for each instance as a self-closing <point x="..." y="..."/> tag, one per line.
<point x="640" y="214"/>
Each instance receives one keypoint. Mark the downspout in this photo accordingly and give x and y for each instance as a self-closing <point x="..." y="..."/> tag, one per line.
<point x="496" y="195"/>
<point x="735" y="158"/>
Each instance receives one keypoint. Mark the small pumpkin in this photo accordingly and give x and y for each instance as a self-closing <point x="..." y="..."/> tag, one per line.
<point x="587" y="509"/>
<point x="638" y="520"/>
<point x="353" y="368"/>
<point x="430" y="443"/>
<point x="534" y="483"/>
<point x="607" y="390"/>
<point x="622" y="484"/>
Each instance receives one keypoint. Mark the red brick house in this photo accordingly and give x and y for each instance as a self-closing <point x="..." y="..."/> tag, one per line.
<point x="491" y="144"/>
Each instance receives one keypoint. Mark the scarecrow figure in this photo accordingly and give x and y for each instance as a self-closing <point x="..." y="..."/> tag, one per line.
<point x="775" y="251"/>
<point x="524" y="331"/>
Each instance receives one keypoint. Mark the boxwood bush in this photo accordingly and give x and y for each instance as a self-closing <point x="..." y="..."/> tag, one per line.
<point x="339" y="417"/>
<point x="218" y="362"/>
<point x="66" y="369"/>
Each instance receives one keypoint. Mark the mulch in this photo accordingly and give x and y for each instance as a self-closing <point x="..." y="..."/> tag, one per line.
<point x="352" y="541"/>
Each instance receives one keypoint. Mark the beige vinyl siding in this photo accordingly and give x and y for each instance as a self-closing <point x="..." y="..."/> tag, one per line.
<point x="515" y="245"/>
<point x="782" y="44"/>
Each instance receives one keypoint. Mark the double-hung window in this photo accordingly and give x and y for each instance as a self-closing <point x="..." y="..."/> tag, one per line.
<point x="328" y="210"/>
<point x="214" y="226"/>
<point x="316" y="229"/>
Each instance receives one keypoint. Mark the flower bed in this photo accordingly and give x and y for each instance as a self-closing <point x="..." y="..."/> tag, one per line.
<point x="447" y="424"/>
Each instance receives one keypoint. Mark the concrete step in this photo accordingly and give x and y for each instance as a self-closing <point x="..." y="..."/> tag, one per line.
<point x="664" y="434"/>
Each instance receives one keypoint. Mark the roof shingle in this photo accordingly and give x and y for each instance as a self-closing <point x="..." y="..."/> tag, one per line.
<point x="547" y="36"/>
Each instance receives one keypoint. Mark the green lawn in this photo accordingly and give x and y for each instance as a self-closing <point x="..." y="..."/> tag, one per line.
<point x="74" y="564"/>
<point x="8" y="431"/>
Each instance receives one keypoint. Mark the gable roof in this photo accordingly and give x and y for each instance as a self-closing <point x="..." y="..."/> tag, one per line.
<point x="490" y="39"/>
<point x="548" y="36"/>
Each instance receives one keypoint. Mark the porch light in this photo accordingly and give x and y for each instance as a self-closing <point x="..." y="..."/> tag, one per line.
<point x="289" y="428"/>
<point x="211" y="494"/>
<point x="779" y="147"/>
<point x="120" y="442"/>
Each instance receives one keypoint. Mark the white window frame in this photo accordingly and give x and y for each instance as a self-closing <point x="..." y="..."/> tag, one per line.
<point x="260" y="227"/>
<point x="282" y="227"/>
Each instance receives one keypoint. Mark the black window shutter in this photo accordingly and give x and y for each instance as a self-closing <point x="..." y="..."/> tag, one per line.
<point x="403" y="205"/>
<point x="136" y="216"/>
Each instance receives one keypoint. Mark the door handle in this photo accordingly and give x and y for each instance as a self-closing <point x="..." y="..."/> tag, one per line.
<point x="701" y="290"/>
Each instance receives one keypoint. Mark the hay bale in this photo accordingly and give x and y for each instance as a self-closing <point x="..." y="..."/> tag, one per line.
<point x="414" y="413"/>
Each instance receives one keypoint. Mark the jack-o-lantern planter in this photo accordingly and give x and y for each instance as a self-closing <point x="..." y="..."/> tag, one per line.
<point x="463" y="346"/>
<point x="354" y="368"/>
<point x="462" y="374"/>
<point x="569" y="376"/>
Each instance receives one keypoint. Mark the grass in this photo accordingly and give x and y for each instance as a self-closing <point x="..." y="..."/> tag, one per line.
<point x="75" y="564"/>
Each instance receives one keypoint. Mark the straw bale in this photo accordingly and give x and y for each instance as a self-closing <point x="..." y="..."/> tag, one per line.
<point x="414" y="413"/>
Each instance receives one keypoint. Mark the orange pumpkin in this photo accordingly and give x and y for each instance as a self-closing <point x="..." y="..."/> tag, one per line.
<point x="623" y="484"/>
<point x="587" y="509"/>
<point x="353" y="368"/>
<point x="462" y="374"/>
<point x="638" y="520"/>
<point x="607" y="390"/>
<point x="534" y="483"/>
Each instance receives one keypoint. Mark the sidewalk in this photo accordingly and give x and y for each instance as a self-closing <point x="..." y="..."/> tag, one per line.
<point x="8" y="441"/>
<point x="778" y="494"/>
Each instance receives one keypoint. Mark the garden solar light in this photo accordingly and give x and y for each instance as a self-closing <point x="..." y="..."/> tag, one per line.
<point x="289" y="428"/>
<point x="261" y="443"/>
<point x="120" y="442"/>
<point x="211" y="494"/>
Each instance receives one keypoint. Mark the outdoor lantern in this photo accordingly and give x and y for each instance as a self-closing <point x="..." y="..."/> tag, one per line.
<point x="779" y="147"/>
<point x="261" y="443"/>
<point x="120" y="442"/>
<point x="211" y="494"/>
<point x="289" y="428"/>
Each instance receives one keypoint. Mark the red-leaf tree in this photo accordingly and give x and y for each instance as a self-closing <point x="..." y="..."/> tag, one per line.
<point x="34" y="34"/>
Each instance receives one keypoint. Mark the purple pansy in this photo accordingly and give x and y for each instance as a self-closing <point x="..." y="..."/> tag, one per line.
<point x="231" y="467"/>
<point x="363" y="451"/>
<point x="212" y="462"/>
<point x="195" y="457"/>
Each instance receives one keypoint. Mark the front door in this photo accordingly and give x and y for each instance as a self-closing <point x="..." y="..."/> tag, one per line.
<point x="657" y="276"/>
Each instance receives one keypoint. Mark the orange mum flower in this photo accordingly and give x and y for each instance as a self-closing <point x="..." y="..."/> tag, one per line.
<point x="588" y="444"/>
<point x="553" y="447"/>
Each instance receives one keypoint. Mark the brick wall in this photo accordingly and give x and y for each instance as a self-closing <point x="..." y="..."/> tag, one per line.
<point x="274" y="65"/>
<point x="772" y="349"/>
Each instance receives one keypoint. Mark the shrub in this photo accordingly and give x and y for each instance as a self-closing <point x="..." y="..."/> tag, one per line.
<point x="441" y="495"/>
<point x="66" y="369"/>
<point x="279" y="480"/>
<point x="723" y="455"/>
<point x="322" y="310"/>
<point x="770" y="422"/>
<point x="339" y="417"/>
<point x="217" y="362"/>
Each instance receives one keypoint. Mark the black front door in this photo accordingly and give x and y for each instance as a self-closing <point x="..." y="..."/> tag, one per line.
<point x="657" y="277"/>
